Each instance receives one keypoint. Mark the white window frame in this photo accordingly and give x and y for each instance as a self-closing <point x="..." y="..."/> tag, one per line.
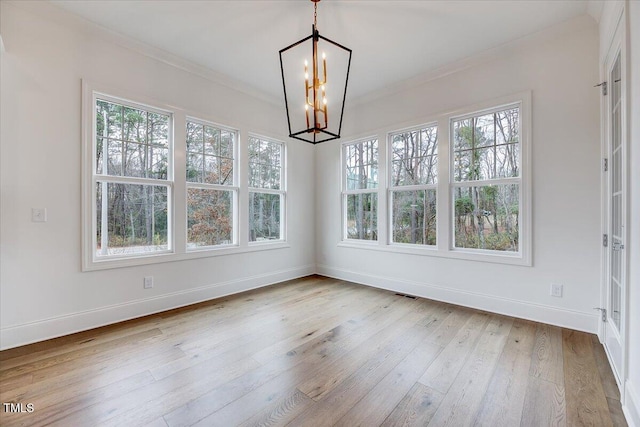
<point x="177" y="195"/>
<point x="90" y="239"/>
<point x="415" y="187"/>
<point x="235" y="188"/>
<point x="523" y="255"/>
<point x="444" y="189"/>
<point x="346" y="192"/>
<point x="282" y="192"/>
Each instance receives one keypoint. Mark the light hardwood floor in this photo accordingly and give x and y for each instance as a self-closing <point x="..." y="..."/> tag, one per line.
<point x="315" y="352"/>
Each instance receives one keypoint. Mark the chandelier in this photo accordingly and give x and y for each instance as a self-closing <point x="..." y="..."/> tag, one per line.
<point x="314" y="92"/>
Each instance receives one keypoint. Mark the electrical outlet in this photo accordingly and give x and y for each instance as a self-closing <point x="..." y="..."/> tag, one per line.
<point x="148" y="282"/>
<point x="556" y="290"/>
<point x="38" y="214"/>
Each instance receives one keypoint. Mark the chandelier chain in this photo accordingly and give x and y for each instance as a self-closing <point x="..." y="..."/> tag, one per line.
<point x="315" y="14"/>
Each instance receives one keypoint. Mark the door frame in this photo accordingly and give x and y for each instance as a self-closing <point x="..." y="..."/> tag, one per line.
<point x="616" y="42"/>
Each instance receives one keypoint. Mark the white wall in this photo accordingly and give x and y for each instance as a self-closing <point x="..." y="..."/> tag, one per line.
<point x="560" y="67"/>
<point x="43" y="292"/>
<point x="632" y="395"/>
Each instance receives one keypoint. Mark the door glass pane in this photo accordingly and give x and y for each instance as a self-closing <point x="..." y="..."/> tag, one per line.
<point x="616" y="251"/>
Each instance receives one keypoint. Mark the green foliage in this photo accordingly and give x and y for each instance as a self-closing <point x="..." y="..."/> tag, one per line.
<point x="464" y="206"/>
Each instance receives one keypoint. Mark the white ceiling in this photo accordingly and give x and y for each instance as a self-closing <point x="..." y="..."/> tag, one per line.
<point x="391" y="40"/>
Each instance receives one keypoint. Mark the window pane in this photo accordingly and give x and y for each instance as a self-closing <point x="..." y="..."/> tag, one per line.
<point x="194" y="167"/>
<point x="226" y="171"/>
<point x="264" y="217"/>
<point x="211" y="170"/>
<point x="211" y="140"/>
<point x="414" y="157"/>
<point x="135" y="160"/>
<point x="265" y="164"/>
<point x="114" y="152"/>
<point x="108" y="119"/>
<point x="487" y="217"/>
<point x="414" y="217"/>
<point x="486" y="147"/>
<point x="136" y="218"/>
<point x="361" y="165"/>
<point x="138" y="141"/>
<point x="135" y="125"/>
<point x="194" y="137"/>
<point x="507" y="126"/>
<point x="462" y="135"/>
<point x="159" y="162"/>
<point x="484" y="131"/>
<point x="159" y="129"/>
<point x="362" y="216"/>
<point x="209" y="217"/>
<point x="507" y="160"/>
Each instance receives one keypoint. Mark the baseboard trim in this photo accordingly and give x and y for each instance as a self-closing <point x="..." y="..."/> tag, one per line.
<point x="571" y="319"/>
<point x="631" y="405"/>
<point x="27" y="333"/>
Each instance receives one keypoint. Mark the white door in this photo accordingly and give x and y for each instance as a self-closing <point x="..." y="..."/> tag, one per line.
<point x="614" y="328"/>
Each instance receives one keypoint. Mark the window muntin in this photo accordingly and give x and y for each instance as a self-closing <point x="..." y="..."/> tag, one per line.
<point x="212" y="189"/>
<point x="413" y="185"/>
<point x="266" y="190"/>
<point x="360" y="196"/>
<point x="486" y="180"/>
<point x="132" y="152"/>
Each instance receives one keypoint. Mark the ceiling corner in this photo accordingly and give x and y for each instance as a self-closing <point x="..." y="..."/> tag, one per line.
<point x="594" y="9"/>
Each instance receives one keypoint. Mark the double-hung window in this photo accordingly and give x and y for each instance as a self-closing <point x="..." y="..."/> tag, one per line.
<point x="360" y="190"/>
<point x="132" y="179"/>
<point x="413" y="182"/>
<point x="212" y="189"/>
<point x="266" y="190"/>
<point x="486" y="180"/>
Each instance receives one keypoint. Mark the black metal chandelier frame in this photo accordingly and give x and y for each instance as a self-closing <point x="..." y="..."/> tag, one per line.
<point x="315" y="128"/>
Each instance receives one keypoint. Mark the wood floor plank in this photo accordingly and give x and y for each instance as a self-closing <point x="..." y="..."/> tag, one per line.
<point x="291" y="364"/>
<point x="547" y="361"/>
<point x="444" y="370"/>
<point x="340" y="399"/>
<point x="320" y="385"/>
<point x="544" y="405"/>
<point x="76" y="382"/>
<point x="615" y="410"/>
<point x="586" y="403"/>
<point x="280" y="412"/>
<point x="385" y="395"/>
<point x="609" y="384"/>
<point x="416" y="408"/>
<point x="504" y="399"/>
<point x="462" y="402"/>
<point x="313" y="351"/>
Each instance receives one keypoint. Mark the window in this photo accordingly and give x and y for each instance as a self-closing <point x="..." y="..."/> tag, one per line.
<point x="360" y="190"/>
<point x="159" y="185"/>
<point x="266" y="190"/>
<point x="413" y="183"/>
<point x="464" y="193"/>
<point x="132" y="179"/>
<point x="212" y="190"/>
<point x="486" y="180"/>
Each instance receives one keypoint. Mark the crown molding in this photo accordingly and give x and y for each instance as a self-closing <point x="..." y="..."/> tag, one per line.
<point x="50" y="11"/>
<point x="510" y="48"/>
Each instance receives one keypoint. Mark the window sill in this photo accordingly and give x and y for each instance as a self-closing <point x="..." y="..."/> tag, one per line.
<point x="432" y="251"/>
<point x="209" y="252"/>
